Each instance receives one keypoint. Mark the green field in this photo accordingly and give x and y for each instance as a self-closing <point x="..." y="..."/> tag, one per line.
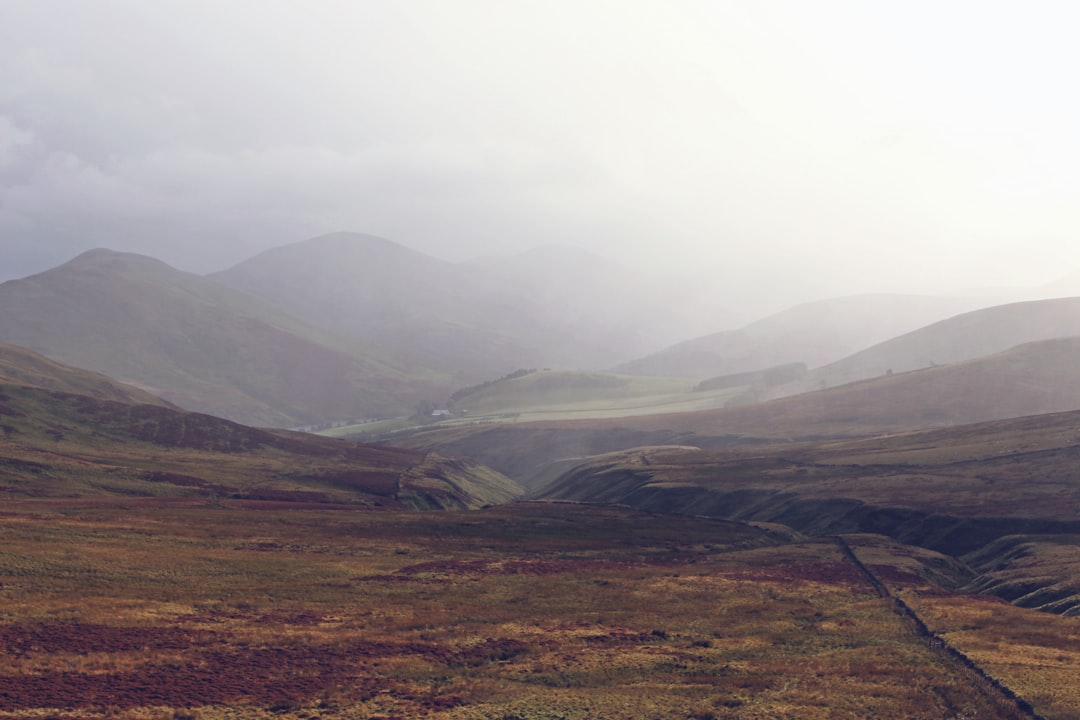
<point x="562" y="395"/>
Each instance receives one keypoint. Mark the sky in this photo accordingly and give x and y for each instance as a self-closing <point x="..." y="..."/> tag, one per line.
<point x="822" y="148"/>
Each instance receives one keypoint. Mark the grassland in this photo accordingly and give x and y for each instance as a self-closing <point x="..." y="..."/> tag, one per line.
<point x="1036" y="654"/>
<point x="156" y="608"/>
<point x="58" y="444"/>
<point x="558" y="395"/>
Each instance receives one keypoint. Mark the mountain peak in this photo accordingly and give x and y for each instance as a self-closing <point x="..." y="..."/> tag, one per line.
<point x="104" y="258"/>
<point x="349" y="243"/>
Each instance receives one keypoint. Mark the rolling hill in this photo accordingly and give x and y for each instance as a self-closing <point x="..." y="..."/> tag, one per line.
<point x="58" y="443"/>
<point x="996" y="492"/>
<point x="812" y="333"/>
<point x="199" y="344"/>
<point x="1031" y="379"/>
<point x="970" y="335"/>
<point x="427" y="312"/>
<point x="19" y="366"/>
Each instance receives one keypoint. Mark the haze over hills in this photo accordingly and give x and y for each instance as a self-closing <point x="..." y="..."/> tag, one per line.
<point x="430" y="313"/>
<point x="970" y="335"/>
<point x="627" y="310"/>
<point x="813" y="333"/>
<point x="199" y="344"/>
<point x="348" y="326"/>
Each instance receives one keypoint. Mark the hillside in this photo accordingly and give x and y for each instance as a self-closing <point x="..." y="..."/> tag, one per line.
<point x="1000" y="491"/>
<point x="812" y="333"/>
<point x="428" y="312"/>
<point x="60" y="444"/>
<point x="971" y="335"/>
<point x="199" y="344"/>
<point x="1031" y="379"/>
<point x="19" y="366"/>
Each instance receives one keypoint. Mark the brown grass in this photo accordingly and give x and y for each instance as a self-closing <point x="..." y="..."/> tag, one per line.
<point x="527" y="611"/>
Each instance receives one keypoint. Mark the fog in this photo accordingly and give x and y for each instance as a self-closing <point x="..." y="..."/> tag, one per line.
<point x="804" y="149"/>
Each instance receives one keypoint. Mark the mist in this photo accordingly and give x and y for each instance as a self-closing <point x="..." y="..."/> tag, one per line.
<point x="776" y="149"/>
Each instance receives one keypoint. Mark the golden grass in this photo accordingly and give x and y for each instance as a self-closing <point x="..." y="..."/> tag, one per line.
<point x="527" y="611"/>
<point x="1037" y="655"/>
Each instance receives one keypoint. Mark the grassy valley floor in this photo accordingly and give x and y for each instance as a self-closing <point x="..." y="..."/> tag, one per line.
<point x="184" y="608"/>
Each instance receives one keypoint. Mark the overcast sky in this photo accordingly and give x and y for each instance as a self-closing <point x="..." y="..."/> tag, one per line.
<point x="850" y="146"/>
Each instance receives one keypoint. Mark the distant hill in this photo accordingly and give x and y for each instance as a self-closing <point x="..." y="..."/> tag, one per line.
<point x="1030" y="379"/>
<point x="198" y="344"/>
<point x="57" y="443"/>
<point x="971" y="335"/>
<point x="813" y="333"/>
<point x="427" y="312"/>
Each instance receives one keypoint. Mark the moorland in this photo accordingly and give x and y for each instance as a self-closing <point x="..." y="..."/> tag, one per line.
<point x="860" y="507"/>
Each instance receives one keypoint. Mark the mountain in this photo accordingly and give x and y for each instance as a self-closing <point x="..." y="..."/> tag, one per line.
<point x="198" y="344"/>
<point x="550" y="307"/>
<point x="428" y="312"/>
<point x="971" y="335"/>
<point x="812" y="333"/>
<point x="59" y="443"/>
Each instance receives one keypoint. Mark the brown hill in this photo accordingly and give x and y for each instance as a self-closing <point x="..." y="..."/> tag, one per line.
<point x="20" y="366"/>
<point x="1002" y="496"/>
<point x="59" y="443"/>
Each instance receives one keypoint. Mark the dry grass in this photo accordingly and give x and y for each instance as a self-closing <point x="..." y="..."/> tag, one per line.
<point x="527" y="611"/>
<point x="1035" y="654"/>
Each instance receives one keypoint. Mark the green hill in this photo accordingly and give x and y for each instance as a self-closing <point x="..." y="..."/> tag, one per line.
<point x="562" y="394"/>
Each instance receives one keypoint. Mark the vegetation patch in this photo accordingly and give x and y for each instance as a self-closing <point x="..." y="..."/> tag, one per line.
<point x="533" y="610"/>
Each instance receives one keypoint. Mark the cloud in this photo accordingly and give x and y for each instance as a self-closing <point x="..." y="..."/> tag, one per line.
<point x="865" y="148"/>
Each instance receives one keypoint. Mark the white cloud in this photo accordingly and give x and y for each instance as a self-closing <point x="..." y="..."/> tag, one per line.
<point x="888" y="146"/>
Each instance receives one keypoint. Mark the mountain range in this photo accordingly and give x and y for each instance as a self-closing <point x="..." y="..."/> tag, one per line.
<point x="197" y="343"/>
<point x="342" y="326"/>
<point x="355" y="327"/>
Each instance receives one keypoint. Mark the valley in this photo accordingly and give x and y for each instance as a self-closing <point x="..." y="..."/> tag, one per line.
<point x="146" y="608"/>
<point x="780" y="520"/>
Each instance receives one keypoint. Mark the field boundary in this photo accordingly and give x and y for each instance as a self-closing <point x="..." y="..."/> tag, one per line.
<point x="1014" y="706"/>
